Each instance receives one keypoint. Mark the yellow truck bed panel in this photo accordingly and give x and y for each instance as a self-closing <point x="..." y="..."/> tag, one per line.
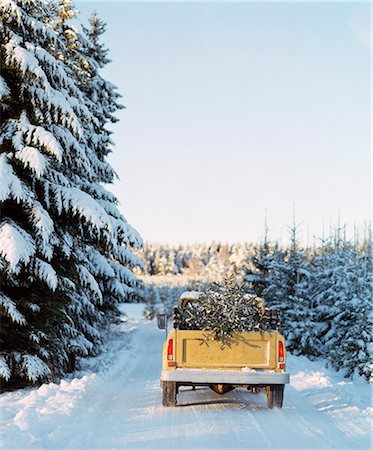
<point x="247" y="350"/>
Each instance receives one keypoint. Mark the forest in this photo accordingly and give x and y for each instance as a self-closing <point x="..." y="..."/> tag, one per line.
<point x="324" y="292"/>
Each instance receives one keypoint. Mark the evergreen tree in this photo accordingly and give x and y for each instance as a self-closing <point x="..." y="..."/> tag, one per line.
<point x="117" y="282"/>
<point x="275" y="292"/>
<point x="345" y="309"/>
<point x="295" y="314"/>
<point x="352" y="350"/>
<point x="261" y="260"/>
<point x="287" y="278"/>
<point x="223" y="310"/>
<point x="50" y="299"/>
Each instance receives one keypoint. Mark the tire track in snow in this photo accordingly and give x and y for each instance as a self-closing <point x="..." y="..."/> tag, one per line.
<point x="298" y="425"/>
<point x="205" y="420"/>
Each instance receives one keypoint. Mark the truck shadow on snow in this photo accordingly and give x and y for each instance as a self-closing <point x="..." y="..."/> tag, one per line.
<point x="239" y="399"/>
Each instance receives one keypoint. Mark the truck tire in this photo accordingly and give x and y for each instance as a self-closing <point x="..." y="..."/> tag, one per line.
<point x="275" y="396"/>
<point x="169" y="393"/>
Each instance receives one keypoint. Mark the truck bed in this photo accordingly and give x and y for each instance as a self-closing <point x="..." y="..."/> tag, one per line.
<point x="254" y="350"/>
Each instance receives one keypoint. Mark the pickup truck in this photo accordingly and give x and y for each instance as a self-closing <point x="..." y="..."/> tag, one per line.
<point x="255" y="360"/>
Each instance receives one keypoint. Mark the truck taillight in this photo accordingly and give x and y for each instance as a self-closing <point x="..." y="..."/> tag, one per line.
<point x="281" y="352"/>
<point x="170" y="350"/>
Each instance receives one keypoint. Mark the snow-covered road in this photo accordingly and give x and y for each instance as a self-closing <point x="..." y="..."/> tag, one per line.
<point x="115" y="402"/>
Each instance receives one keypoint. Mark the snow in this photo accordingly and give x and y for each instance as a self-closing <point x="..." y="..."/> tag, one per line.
<point x="191" y="295"/>
<point x="248" y="370"/>
<point x="16" y="245"/>
<point x="10" y="185"/>
<point x="11" y="7"/>
<point x="46" y="273"/>
<point x="25" y="60"/>
<point x="4" y="369"/>
<point x="114" y="401"/>
<point x="37" y="135"/>
<point x="42" y="222"/>
<point x="81" y="203"/>
<point x="11" y="310"/>
<point x="89" y="281"/>
<point x="4" y="89"/>
<point x="31" y="157"/>
<point x="34" y="367"/>
<point x="302" y="380"/>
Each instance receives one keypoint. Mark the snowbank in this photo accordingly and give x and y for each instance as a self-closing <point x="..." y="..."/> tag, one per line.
<point x="346" y="401"/>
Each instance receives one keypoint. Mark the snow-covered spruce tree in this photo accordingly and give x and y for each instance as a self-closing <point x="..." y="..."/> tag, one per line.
<point x="344" y="308"/>
<point x="50" y="297"/>
<point x="288" y="290"/>
<point x="296" y="316"/>
<point x="261" y="260"/>
<point x="114" y="275"/>
<point x="237" y="259"/>
<point x="275" y="292"/>
<point x="352" y="351"/>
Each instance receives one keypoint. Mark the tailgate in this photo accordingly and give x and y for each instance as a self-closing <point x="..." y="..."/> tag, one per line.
<point x="254" y="350"/>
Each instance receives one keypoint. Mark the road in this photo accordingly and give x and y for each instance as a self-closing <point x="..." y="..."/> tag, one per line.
<point x="120" y="407"/>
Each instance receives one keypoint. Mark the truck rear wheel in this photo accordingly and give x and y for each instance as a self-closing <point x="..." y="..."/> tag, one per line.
<point x="275" y="396"/>
<point x="169" y="393"/>
<point x="221" y="388"/>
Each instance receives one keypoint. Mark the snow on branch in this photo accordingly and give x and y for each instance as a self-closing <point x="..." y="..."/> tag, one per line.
<point x="127" y="257"/>
<point x="72" y="145"/>
<point x="10" y="184"/>
<point x="89" y="281"/>
<point x="31" y="157"/>
<point x="83" y="344"/>
<point x="11" y="310"/>
<point x="39" y="136"/>
<point x="54" y="66"/>
<point x="72" y="199"/>
<point x="16" y="245"/>
<point x="5" y="371"/>
<point x="102" y="195"/>
<point x="120" y="289"/>
<point x="100" y="263"/>
<point x="34" y="367"/>
<point x="4" y="89"/>
<point x="46" y="273"/>
<point x="123" y="274"/>
<point x="10" y="7"/>
<point x="18" y="56"/>
<point x="56" y="102"/>
<point x="42" y="222"/>
<point x="130" y="235"/>
<point x="43" y="93"/>
<point x="192" y="295"/>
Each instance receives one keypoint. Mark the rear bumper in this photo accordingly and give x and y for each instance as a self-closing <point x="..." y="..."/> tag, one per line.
<point x="237" y="377"/>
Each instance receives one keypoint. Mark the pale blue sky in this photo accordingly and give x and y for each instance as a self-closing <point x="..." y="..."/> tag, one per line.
<point x="234" y="108"/>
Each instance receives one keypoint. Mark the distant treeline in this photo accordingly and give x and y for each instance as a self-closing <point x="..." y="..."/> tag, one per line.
<point x="202" y="261"/>
<point x="324" y="292"/>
